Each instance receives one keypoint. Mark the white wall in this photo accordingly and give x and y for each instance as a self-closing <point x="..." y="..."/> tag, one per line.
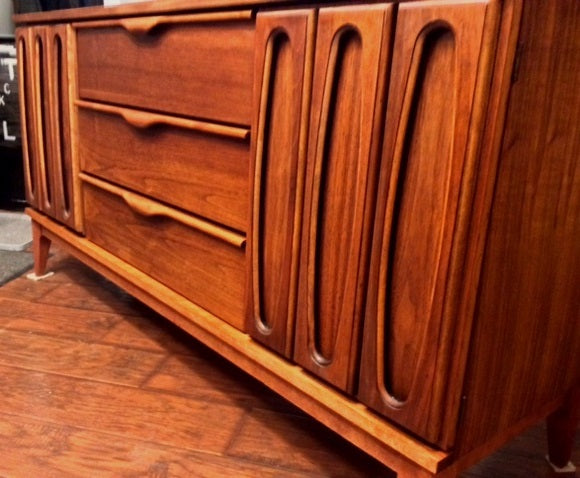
<point x="6" y="25"/>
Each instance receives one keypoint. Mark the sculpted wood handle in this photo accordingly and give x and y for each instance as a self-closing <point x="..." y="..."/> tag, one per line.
<point x="149" y="208"/>
<point x="144" y="120"/>
<point x="139" y="119"/>
<point x="140" y="26"/>
<point x="143" y="206"/>
<point x="144" y="25"/>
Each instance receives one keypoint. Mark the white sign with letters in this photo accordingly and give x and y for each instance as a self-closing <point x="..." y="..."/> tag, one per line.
<point x="9" y="114"/>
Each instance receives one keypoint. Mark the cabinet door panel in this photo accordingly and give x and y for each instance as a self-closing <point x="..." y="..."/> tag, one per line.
<point x="60" y="157"/>
<point x="50" y="177"/>
<point x="41" y="93"/>
<point x="283" y="65"/>
<point x="425" y="174"/>
<point x="344" y="104"/>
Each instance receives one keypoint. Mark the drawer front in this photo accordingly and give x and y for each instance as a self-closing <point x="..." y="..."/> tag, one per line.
<point x="195" y="65"/>
<point x="202" y="172"/>
<point x="206" y="270"/>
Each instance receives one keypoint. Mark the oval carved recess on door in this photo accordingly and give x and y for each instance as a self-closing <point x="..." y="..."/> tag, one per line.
<point x="61" y="147"/>
<point x="333" y="233"/>
<point x="420" y="226"/>
<point x="427" y="167"/>
<point x="346" y="82"/>
<point x="278" y="151"/>
<point x="26" y="98"/>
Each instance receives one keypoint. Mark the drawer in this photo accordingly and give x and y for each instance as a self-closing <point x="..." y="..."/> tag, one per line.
<point x="193" y="65"/>
<point x="200" y="167"/>
<point x="204" y="263"/>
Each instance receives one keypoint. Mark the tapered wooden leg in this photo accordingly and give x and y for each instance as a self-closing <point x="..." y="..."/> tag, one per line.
<point x="40" y="249"/>
<point x="562" y="426"/>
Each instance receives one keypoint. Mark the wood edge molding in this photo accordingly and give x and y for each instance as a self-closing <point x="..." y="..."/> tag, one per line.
<point x="490" y="144"/>
<point x="393" y="447"/>
<point x="205" y="7"/>
<point x="311" y="31"/>
<point x="58" y="81"/>
<point x="452" y="343"/>
<point x="144" y="25"/>
<point x="24" y="48"/>
<point x="42" y="132"/>
<point x="142" y="120"/>
<point x="148" y="207"/>
<point x="71" y="50"/>
<point x="389" y="230"/>
<point x="258" y="157"/>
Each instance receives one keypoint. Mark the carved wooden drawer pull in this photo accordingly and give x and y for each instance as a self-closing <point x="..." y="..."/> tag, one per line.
<point x="143" y="120"/>
<point x="145" y="25"/>
<point x="149" y="208"/>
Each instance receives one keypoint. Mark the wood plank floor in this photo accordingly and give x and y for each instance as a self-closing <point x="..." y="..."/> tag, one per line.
<point x="95" y="384"/>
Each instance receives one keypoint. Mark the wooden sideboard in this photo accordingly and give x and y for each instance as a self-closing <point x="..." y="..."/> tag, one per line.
<point x="373" y="208"/>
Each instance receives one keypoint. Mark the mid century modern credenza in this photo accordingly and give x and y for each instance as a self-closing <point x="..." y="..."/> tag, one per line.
<point x="373" y="208"/>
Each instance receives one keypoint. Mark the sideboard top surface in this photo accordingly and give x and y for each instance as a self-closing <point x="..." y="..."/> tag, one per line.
<point x="160" y="7"/>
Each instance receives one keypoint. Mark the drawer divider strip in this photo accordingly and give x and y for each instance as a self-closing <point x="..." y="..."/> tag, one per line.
<point x="149" y="208"/>
<point x="143" y="25"/>
<point x="143" y="120"/>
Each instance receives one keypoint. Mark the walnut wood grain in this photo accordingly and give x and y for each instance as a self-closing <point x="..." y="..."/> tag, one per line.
<point x="468" y="217"/>
<point x="63" y="172"/>
<point x="49" y="167"/>
<point x="27" y="122"/>
<point x="333" y="270"/>
<point x="151" y="8"/>
<point x="484" y="145"/>
<point x="144" y="25"/>
<point x="426" y="165"/>
<point x="144" y="120"/>
<point x="161" y="75"/>
<point x="206" y="270"/>
<point x="206" y="174"/>
<point x="284" y="65"/>
<point x="42" y="111"/>
<point x="527" y="316"/>
<point x="148" y="208"/>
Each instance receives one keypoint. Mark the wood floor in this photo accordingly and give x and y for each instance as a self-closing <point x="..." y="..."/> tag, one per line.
<point x="94" y="384"/>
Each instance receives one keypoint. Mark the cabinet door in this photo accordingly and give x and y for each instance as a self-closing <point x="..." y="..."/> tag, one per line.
<point x="348" y="70"/>
<point x="40" y="72"/>
<point x="45" y="110"/>
<point x="60" y="155"/>
<point x="434" y="100"/>
<point x="284" y="44"/>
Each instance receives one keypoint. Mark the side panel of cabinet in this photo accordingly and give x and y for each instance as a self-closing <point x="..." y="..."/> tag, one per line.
<point x="341" y="161"/>
<point x="283" y="64"/>
<point x="426" y="172"/>
<point x="25" y="48"/>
